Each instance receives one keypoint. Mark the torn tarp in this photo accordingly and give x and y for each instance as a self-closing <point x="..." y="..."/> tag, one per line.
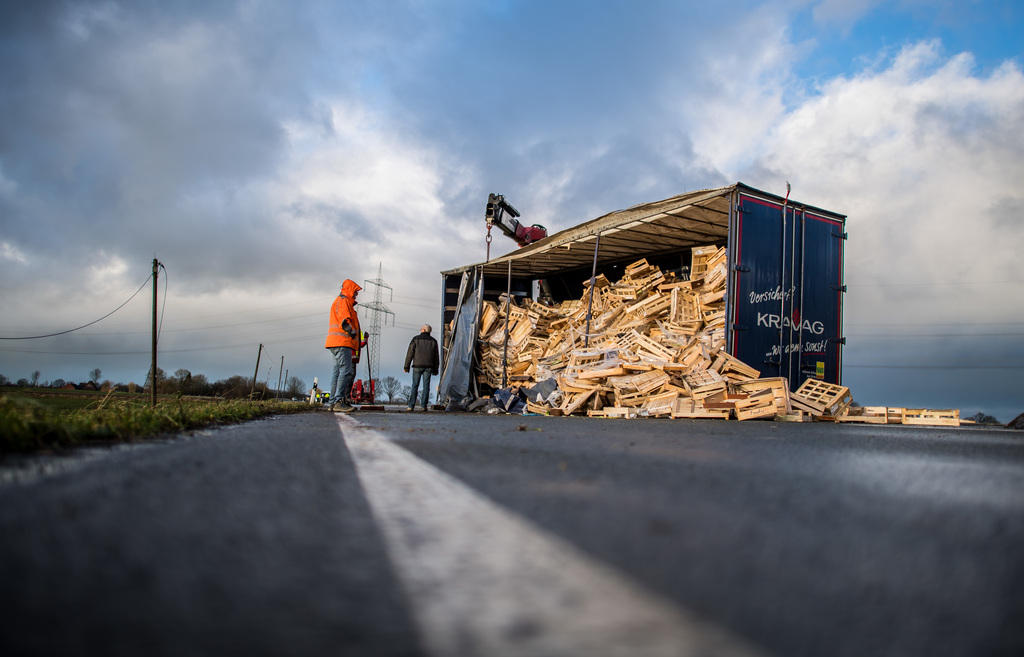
<point x="453" y="389"/>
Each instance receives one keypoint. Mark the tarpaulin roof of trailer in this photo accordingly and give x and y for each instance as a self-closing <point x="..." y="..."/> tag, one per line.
<point x="673" y="224"/>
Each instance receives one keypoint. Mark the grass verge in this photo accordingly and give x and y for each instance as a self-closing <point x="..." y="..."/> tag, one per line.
<point x="28" y="424"/>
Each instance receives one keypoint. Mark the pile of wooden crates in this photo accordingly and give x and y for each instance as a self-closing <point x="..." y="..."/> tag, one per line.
<point x="656" y="348"/>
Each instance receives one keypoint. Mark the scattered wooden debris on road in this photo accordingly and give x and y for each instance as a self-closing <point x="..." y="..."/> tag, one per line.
<point x="652" y="345"/>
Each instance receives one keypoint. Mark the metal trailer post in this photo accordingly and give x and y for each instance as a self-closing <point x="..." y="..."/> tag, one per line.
<point x="731" y="284"/>
<point x="841" y="285"/>
<point x="803" y="263"/>
<point x="444" y="327"/>
<point x="593" y="282"/>
<point x="782" y="281"/>
<point x="792" y="286"/>
<point x="508" y="311"/>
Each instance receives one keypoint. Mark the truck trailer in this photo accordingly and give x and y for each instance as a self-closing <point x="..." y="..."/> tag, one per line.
<point x="785" y="285"/>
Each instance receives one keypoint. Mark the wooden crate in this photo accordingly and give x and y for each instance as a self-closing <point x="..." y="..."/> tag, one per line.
<point x="759" y="405"/>
<point x="699" y="257"/>
<point x="777" y="384"/>
<point x="755" y="412"/>
<point x="723" y="400"/>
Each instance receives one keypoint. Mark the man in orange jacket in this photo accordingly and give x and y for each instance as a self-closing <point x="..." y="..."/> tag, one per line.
<point x="343" y="341"/>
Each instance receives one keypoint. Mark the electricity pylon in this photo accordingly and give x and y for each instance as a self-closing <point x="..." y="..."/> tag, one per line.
<point x="378" y="309"/>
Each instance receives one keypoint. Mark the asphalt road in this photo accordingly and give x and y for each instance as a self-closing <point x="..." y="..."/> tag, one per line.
<point x="433" y="534"/>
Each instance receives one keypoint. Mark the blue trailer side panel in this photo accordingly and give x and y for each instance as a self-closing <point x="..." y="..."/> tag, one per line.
<point x="786" y="290"/>
<point x="817" y="348"/>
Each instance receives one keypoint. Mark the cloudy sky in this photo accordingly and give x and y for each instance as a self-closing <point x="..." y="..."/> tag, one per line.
<point x="263" y="151"/>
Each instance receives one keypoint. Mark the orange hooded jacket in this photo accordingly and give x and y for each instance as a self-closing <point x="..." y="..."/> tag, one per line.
<point x="343" y="309"/>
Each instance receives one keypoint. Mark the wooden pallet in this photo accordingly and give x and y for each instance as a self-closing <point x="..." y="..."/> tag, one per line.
<point x="725" y="364"/>
<point x="576" y="401"/>
<point x="704" y="383"/>
<point x="540" y="409"/>
<point x="931" y="417"/>
<point x="613" y="412"/>
<point x="795" y="416"/>
<point x="644" y="382"/>
<point x="660" y="405"/>
<point x="865" y="415"/>
<point x="684" y="407"/>
<point x="821" y="398"/>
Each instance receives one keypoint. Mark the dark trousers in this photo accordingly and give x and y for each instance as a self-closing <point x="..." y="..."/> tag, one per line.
<point x="421" y="380"/>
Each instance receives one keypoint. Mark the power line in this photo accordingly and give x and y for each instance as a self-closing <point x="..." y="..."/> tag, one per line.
<point x="864" y="336"/>
<point x="935" y="284"/>
<point x="207" y="328"/>
<point x="414" y="303"/>
<point x="934" y="323"/>
<point x="50" y="335"/>
<point x="239" y="345"/>
<point x="298" y="338"/>
<point x="936" y="367"/>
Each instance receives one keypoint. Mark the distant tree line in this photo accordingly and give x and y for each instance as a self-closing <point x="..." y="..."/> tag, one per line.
<point x="388" y="389"/>
<point x="182" y="382"/>
<point x="392" y="390"/>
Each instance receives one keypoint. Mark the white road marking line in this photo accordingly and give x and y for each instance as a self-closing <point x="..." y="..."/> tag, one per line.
<point x="484" y="581"/>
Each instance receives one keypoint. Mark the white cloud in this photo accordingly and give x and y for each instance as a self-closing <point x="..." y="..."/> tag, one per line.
<point x="107" y="269"/>
<point x="741" y="92"/>
<point x="926" y="157"/>
<point x="366" y="182"/>
<point x="7" y="186"/>
<point x="363" y="166"/>
<point x="916" y="154"/>
<point x="82" y="19"/>
<point x="10" y="252"/>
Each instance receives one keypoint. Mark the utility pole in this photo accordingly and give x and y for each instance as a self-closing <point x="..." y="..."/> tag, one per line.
<point x="256" y="373"/>
<point x="152" y="388"/>
<point x="378" y="308"/>
<point x="279" y="369"/>
<point x="286" y="377"/>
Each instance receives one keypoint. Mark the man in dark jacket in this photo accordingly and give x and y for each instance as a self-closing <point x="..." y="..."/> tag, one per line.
<point x="422" y="355"/>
